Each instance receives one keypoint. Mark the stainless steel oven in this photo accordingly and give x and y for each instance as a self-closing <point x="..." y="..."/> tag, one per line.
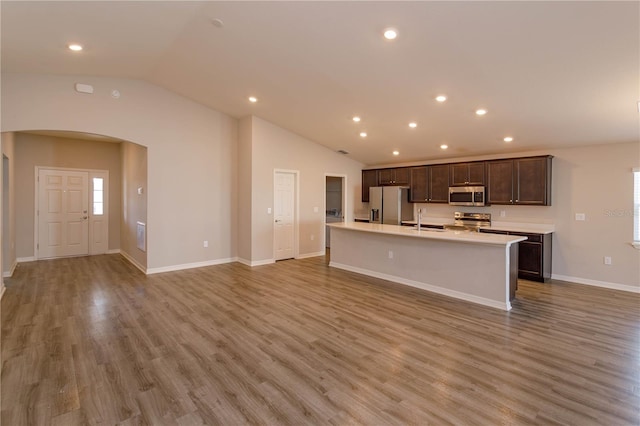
<point x="466" y="196"/>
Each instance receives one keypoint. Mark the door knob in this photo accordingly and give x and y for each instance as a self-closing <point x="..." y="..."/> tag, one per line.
<point x="278" y="220"/>
<point x="84" y="217"/>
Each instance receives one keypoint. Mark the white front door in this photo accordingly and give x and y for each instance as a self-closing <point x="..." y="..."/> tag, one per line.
<point x="63" y="205"/>
<point x="284" y="215"/>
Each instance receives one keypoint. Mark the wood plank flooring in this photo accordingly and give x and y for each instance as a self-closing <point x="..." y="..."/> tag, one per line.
<point x="93" y="341"/>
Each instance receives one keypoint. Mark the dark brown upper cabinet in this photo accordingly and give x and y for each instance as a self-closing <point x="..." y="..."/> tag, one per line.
<point x="429" y="184"/>
<point x="522" y="181"/>
<point x="369" y="179"/>
<point x="399" y="176"/>
<point x="439" y="183"/>
<point x="462" y="174"/>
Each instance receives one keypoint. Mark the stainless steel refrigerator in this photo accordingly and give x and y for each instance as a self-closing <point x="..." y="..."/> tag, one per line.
<point x="389" y="205"/>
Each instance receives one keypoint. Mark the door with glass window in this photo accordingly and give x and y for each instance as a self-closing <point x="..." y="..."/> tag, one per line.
<point x="71" y="213"/>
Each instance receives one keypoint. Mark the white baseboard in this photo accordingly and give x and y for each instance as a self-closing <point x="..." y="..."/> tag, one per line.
<point x="256" y="263"/>
<point x="306" y="255"/>
<point x="9" y="273"/>
<point x="424" y="286"/>
<point x="26" y="259"/>
<point x="113" y="251"/>
<point x="603" y="284"/>
<point x="133" y="261"/>
<point x="190" y="265"/>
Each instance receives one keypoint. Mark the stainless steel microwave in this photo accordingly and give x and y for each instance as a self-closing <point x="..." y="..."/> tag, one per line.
<point x="466" y="196"/>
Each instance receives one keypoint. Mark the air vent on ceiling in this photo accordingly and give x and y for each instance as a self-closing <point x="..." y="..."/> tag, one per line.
<point x="342" y="151"/>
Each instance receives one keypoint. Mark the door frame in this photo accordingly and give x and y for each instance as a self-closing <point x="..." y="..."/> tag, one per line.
<point x="91" y="173"/>
<point x="296" y="213"/>
<point x="344" y="203"/>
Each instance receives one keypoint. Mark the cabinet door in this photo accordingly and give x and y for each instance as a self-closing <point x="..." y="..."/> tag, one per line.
<point x="476" y="173"/>
<point x="402" y="176"/>
<point x="418" y="192"/>
<point x="369" y="179"/>
<point x="531" y="183"/>
<point x="439" y="183"/>
<point x="386" y="176"/>
<point x="530" y="260"/>
<point x="458" y="174"/>
<point x="500" y="182"/>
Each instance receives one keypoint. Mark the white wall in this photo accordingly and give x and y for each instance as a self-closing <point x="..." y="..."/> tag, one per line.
<point x="597" y="181"/>
<point x="276" y="148"/>
<point x="8" y="232"/>
<point x="134" y="205"/>
<point x="244" y="185"/>
<point x="192" y="154"/>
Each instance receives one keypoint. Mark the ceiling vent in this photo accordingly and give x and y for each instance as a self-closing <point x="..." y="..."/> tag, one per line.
<point x="342" y="151"/>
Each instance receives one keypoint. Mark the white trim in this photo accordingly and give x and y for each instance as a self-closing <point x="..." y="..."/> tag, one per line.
<point x="603" y="284"/>
<point x="193" y="265"/>
<point x="3" y="290"/>
<point x="424" y="286"/>
<point x="134" y="262"/>
<point x="9" y="273"/>
<point x="255" y="263"/>
<point x="113" y="251"/>
<point x="307" y="255"/>
<point x="26" y="259"/>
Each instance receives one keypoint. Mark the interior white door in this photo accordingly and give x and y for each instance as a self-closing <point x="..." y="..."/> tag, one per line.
<point x="284" y="215"/>
<point x="63" y="203"/>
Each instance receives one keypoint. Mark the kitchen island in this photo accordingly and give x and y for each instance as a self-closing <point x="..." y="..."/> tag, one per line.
<point x="480" y="268"/>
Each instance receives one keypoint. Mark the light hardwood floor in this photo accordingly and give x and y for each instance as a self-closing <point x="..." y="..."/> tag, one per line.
<point x="93" y="341"/>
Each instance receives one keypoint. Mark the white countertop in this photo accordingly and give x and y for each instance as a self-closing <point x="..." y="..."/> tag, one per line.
<point x="531" y="228"/>
<point x="406" y="231"/>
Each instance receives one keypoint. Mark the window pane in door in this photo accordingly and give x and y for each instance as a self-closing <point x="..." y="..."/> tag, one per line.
<point x="98" y="194"/>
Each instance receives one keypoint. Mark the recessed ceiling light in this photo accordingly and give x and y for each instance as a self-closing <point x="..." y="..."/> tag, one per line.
<point x="356" y="119"/>
<point x="75" y="47"/>
<point x="253" y="99"/>
<point x="363" y="134"/>
<point x="396" y="152"/>
<point x="413" y="125"/>
<point x="481" y="111"/>
<point x="441" y="98"/>
<point x="390" y="33"/>
<point x="443" y="146"/>
<point x="508" y="139"/>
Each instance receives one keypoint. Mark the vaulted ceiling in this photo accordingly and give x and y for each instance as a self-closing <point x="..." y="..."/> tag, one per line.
<point x="550" y="74"/>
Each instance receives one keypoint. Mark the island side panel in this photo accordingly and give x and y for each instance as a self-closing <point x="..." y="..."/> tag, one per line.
<point x="474" y="272"/>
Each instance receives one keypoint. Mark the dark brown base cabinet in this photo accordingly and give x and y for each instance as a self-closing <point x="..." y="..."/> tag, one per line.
<point x="534" y="255"/>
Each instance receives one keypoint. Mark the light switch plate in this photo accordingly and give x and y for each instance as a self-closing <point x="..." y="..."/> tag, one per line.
<point x="315" y="210"/>
<point x="268" y="210"/>
<point x="580" y="216"/>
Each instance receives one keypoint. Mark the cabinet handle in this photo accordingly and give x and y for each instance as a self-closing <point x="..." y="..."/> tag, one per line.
<point x="511" y="201"/>
<point x="517" y="201"/>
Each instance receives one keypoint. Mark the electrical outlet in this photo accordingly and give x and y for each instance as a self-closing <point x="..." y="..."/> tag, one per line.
<point x="607" y="260"/>
<point x="205" y="243"/>
<point x="503" y="213"/>
<point x="390" y="254"/>
<point x="581" y="216"/>
<point x="316" y="209"/>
